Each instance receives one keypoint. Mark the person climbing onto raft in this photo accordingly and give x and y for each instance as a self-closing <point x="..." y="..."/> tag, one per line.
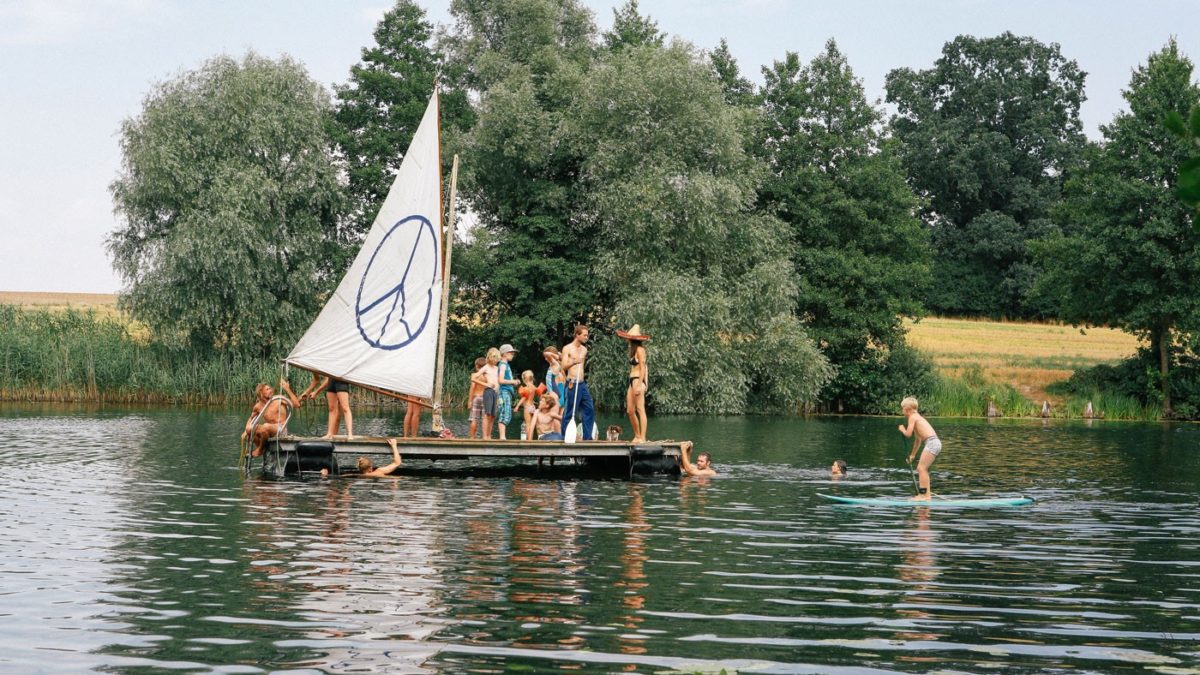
<point x="274" y="414"/>
<point x="921" y="431"/>
<point x="703" y="465"/>
<point x="366" y="469"/>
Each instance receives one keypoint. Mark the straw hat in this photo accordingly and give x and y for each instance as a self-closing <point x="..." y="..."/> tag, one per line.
<point x="634" y="333"/>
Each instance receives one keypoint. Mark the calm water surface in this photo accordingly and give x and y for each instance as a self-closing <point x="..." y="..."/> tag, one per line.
<point x="132" y="543"/>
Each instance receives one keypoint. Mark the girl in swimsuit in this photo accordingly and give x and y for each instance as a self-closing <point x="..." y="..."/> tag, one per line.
<point x="526" y="392"/>
<point x="639" y="378"/>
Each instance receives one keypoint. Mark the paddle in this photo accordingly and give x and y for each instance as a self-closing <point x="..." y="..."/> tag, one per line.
<point x="911" y="470"/>
<point x="572" y="431"/>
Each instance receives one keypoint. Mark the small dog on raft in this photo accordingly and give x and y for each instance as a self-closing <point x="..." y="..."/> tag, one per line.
<point x="614" y="432"/>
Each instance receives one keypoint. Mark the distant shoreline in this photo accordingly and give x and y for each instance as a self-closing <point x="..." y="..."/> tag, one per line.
<point x="43" y="298"/>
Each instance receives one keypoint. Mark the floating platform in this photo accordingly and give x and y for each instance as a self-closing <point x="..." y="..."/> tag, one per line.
<point x="293" y="455"/>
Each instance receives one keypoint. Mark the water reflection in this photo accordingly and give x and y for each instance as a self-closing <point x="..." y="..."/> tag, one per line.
<point x="134" y="543"/>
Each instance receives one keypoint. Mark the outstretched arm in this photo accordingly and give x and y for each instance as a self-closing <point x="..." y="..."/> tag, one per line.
<point x="383" y="471"/>
<point x="685" y="459"/>
<point x="286" y="387"/>
<point x="318" y="383"/>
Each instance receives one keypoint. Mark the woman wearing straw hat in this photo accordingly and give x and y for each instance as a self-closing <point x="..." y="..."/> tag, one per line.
<point x="639" y="378"/>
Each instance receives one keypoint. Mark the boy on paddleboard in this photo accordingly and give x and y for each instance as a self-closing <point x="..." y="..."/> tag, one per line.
<point x="921" y="431"/>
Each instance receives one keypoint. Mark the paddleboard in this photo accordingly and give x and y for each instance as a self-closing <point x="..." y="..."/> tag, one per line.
<point x="959" y="503"/>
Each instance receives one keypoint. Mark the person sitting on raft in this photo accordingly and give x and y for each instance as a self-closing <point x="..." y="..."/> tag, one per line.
<point x="703" y="465"/>
<point x="546" y="420"/>
<point x="274" y="413"/>
<point x="367" y="470"/>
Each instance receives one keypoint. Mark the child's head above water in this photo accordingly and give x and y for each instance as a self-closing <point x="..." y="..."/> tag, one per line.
<point x="839" y="467"/>
<point x="909" y="403"/>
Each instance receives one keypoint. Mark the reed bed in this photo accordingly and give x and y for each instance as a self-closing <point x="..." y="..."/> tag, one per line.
<point x="94" y="355"/>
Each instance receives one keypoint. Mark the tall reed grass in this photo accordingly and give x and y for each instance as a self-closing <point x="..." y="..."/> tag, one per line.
<point x="86" y="355"/>
<point x="968" y="395"/>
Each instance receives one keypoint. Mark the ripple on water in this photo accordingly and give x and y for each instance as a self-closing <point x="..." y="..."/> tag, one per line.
<point x="132" y="544"/>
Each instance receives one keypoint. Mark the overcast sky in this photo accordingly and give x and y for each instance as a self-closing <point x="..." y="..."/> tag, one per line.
<point x="72" y="70"/>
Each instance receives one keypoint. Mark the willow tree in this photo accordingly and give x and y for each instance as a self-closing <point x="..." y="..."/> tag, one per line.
<point x="670" y="190"/>
<point x="227" y="196"/>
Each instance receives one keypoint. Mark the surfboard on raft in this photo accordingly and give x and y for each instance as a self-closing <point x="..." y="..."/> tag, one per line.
<point x="935" y="502"/>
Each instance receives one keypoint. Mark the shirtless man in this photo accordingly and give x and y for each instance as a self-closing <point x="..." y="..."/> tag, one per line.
<point x="367" y="470"/>
<point x="921" y="431"/>
<point x="574" y="357"/>
<point x="273" y="414"/>
<point x="703" y="465"/>
<point x="546" y="422"/>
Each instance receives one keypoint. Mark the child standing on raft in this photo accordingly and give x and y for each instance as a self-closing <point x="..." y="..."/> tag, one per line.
<point x="921" y="431"/>
<point x="475" y="396"/>
<point x="525" y="393"/>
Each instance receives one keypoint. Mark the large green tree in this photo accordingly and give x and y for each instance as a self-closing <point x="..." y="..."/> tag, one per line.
<point x="526" y="276"/>
<point x="857" y="247"/>
<point x="986" y="137"/>
<point x="1129" y="256"/>
<point x="229" y="196"/>
<point x="379" y="109"/>
<point x="671" y="190"/>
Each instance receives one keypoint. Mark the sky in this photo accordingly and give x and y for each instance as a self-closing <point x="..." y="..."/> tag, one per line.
<point x="72" y="70"/>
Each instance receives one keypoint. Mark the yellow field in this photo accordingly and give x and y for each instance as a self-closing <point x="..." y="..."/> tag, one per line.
<point x="58" y="300"/>
<point x="1028" y="356"/>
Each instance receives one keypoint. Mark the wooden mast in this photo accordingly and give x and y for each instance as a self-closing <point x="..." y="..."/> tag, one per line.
<point x="445" y="313"/>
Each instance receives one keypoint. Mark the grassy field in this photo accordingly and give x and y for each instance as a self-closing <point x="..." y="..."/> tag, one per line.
<point x="1026" y="356"/>
<point x="59" y="300"/>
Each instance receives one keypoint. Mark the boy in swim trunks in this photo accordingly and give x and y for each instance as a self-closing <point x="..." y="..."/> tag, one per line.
<point x="921" y="431"/>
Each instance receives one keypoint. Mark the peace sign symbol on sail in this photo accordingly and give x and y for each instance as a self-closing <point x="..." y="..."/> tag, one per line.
<point x="396" y="317"/>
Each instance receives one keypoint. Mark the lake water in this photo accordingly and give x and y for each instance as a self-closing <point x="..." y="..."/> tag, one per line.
<point x="132" y="543"/>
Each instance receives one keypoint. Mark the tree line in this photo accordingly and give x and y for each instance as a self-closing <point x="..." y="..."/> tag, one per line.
<point x="770" y="238"/>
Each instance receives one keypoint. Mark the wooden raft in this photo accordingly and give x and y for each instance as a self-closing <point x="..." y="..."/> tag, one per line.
<point x="615" y="457"/>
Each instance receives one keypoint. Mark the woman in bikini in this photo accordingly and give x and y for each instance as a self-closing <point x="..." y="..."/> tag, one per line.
<point x="639" y="378"/>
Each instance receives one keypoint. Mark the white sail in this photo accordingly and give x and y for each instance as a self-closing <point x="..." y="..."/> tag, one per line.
<point x="380" y="327"/>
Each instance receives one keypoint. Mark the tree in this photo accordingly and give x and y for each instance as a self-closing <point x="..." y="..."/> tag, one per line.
<point x="379" y="110"/>
<point x="229" y="198"/>
<point x="670" y="191"/>
<point x="631" y="29"/>
<point x="1129" y="256"/>
<point x="1188" y="188"/>
<point x="858" y="251"/>
<point x="738" y="90"/>
<point x="988" y="134"/>
<point x="526" y="275"/>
